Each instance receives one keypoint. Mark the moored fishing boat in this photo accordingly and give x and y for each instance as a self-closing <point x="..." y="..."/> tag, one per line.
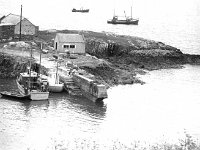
<point x="33" y="84"/>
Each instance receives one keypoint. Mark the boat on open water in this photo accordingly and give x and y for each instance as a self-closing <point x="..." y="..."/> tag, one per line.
<point x="128" y="20"/>
<point x="80" y="10"/>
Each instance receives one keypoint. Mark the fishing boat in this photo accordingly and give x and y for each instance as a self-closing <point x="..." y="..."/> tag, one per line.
<point x="80" y="10"/>
<point x="33" y="84"/>
<point x="127" y="20"/>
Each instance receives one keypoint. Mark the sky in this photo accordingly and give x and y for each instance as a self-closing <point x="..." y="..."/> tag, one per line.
<point x="57" y="10"/>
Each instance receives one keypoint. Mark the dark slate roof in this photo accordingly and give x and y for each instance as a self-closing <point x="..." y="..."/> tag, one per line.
<point x="62" y="37"/>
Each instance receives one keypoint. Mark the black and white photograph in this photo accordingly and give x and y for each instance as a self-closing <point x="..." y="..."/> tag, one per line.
<point x="99" y="75"/>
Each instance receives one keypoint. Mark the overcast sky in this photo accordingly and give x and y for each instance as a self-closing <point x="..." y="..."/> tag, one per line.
<point x="56" y="10"/>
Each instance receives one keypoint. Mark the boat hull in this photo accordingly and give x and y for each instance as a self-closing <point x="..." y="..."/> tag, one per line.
<point x="38" y="96"/>
<point x="21" y="89"/>
<point x="56" y="87"/>
<point x="132" y="22"/>
<point x="14" y="95"/>
<point x="82" y="11"/>
<point x="34" y="95"/>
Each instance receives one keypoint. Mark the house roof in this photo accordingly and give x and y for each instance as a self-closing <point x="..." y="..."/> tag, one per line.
<point x="1" y="15"/>
<point x="11" y="18"/>
<point x="6" y="24"/>
<point x="62" y="37"/>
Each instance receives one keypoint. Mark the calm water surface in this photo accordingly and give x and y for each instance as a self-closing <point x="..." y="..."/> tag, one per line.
<point x="163" y="109"/>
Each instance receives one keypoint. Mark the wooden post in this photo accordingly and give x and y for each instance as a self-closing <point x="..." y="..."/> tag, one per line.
<point x="20" y="25"/>
<point x="40" y="57"/>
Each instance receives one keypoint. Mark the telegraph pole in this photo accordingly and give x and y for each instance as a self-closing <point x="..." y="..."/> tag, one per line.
<point x="20" y="25"/>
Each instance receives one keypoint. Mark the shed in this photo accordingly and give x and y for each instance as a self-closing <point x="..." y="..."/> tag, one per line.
<point x="74" y="43"/>
<point x="27" y="28"/>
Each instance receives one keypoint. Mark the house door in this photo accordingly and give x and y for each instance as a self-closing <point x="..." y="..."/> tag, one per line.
<point x="56" y="45"/>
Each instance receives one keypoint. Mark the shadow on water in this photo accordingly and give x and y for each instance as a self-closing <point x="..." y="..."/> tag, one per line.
<point x="33" y="105"/>
<point x="79" y="103"/>
<point x="60" y="102"/>
<point x="8" y="85"/>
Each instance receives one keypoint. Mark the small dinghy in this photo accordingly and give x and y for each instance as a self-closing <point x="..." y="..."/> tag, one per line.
<point x="14" y="95"/>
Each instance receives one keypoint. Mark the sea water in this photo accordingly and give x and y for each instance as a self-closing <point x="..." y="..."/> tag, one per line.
<point x="164" y="110"/>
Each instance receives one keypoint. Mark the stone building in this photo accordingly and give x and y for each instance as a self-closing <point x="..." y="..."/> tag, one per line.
<point x="27" y="28"/>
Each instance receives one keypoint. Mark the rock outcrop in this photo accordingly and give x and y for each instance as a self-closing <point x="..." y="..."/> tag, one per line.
<point x="12" y="65"/>
<point x="120" y="58"/>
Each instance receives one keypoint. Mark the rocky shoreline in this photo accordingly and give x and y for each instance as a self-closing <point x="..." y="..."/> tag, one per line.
<point x="117" y="58"/>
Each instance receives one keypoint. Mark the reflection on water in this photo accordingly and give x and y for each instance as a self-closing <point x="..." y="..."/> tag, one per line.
<point x="163" y="109"/>
<point x="25" y="123"/>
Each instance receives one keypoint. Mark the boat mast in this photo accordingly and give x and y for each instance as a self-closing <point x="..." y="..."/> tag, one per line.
<point x="56" y="81"/>
<point x="40" y="58"/>
<point x="131" y="12"/>
<point x="125" y="13"/>
<point x="29" y="84"/>
<point x="20" y="25"/>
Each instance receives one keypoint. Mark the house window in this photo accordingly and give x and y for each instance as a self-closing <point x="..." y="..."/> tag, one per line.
<point x="65" y="46"/>
<point x="69" y="46"/>
<point x="72" y="46"/>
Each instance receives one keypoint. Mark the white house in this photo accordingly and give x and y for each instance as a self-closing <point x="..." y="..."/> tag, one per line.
<point x="27" y="28"/>
<point x="74" y="43"/>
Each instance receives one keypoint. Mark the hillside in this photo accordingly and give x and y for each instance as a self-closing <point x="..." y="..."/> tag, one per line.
<point x="113" y="59"/>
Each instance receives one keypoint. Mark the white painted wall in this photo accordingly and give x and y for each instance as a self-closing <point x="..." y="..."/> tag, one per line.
<point x="27" y="28"/>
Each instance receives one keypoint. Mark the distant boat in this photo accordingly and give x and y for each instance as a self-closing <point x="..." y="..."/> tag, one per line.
<point x="80" y="10"/>
<point x="127" y="20"/>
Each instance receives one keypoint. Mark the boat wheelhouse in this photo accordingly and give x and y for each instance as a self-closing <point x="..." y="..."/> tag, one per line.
<point x="33" y="85"/>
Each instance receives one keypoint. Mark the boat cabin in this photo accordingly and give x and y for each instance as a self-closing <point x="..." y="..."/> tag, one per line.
<point x="32" y="80"/>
